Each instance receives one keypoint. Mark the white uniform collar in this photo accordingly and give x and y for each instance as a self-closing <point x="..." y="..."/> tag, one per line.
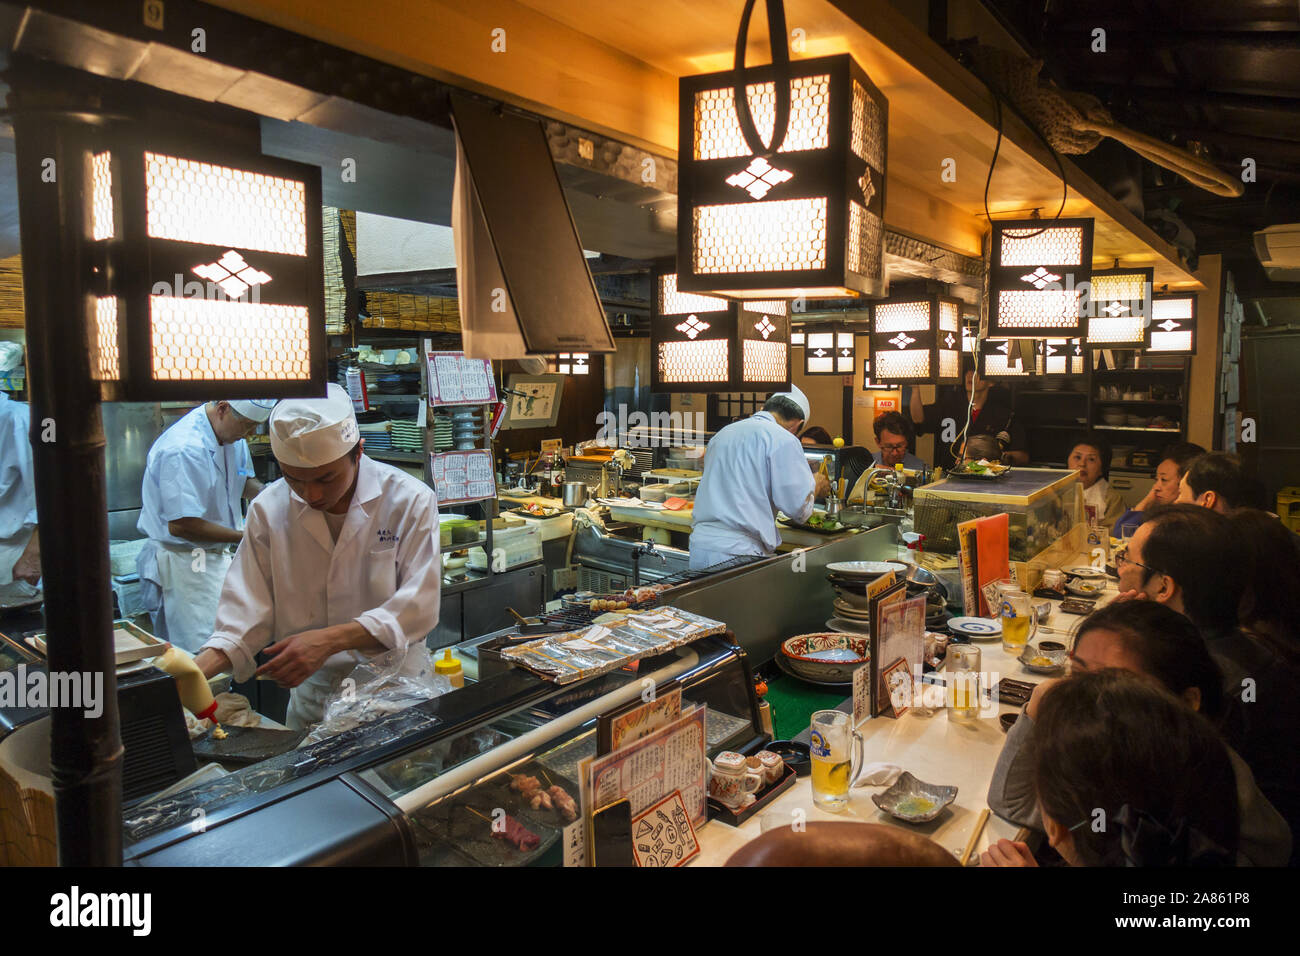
<point x="313" y="521"/>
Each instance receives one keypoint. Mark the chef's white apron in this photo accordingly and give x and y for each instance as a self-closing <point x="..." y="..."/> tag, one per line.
<point x="190" y="591"/>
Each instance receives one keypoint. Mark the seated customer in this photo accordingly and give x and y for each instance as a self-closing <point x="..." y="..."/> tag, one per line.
<point x="1271" y="612"/>
<point x="1127" y="775"/>
<point x="815" y="435"/>
<point x="1149" y="639"/>
<point x="1174" y="463"/>
<point x="1215" y="481"/>
<point x="894" y="436"/>
<point x="1090" y="457"/>
<point x="1190" y="559"/>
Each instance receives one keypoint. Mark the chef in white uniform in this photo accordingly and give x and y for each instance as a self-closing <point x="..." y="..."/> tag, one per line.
<point x="196" y="474"/>
<point x="339" y="563"/>
<point x="20" y="545"/>
<point x="753" y="469"/>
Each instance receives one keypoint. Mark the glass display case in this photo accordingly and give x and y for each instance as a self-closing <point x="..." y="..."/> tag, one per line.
<point x="421" y="787"/>
<point x="1042" y="505"/>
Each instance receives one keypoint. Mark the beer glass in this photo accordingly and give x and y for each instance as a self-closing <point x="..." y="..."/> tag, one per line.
<point x="1019" y="621"/>
<point x="837" y="757"/>
<point x="962" y="667"/>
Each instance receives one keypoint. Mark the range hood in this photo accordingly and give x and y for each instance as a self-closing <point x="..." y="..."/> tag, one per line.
<point x="523" y="280"/>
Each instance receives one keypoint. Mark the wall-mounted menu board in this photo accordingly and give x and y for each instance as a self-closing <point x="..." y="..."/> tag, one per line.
<point x="462" y="476"/>
<point x="457" y="380"/>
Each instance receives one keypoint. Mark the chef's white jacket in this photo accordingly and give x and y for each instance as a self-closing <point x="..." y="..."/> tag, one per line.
<point x="17" y="485"/>
<point x="752" y="469"/>
<point x="290" y="576"/>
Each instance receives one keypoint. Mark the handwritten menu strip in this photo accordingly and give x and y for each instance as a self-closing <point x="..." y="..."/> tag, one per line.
<point x="456" y="380"/>
<point x="662" y="836"/>
<point x="671" y="758"/>
<point x="460" y="476"/>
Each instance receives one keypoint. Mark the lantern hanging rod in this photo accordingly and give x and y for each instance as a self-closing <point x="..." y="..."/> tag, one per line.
<point x="779" y="45"/>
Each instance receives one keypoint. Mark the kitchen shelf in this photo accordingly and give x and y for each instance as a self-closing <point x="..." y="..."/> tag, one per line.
<point x="1051" y="391"/>
<point x="1076" y="427"/>
<point x="1137" y="428"/>
<point x="392" y="454"/>
<point x="1138" y="401"/>
<point x="1109" y="372"/>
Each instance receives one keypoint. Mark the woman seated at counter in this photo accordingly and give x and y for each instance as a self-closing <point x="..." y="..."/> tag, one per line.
<point x="814" y="435"/>
<point x="1174" y="462"/>
<point x="1126" y="774"/>
<point x="1090" y="457"/>
<point x="1162" y="645"/>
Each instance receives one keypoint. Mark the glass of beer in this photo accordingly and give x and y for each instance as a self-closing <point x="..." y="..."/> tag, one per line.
<point x="1019" y="621"/>
<point x="836" y="750"/>
<point x="962" y="665"/>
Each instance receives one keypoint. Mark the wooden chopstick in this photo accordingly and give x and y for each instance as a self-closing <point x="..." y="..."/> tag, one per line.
<point x="974" y="835"/>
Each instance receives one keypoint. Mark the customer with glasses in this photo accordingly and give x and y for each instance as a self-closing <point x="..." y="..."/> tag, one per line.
<point x="894" y="437"/>
<point x="1193" y="560"/>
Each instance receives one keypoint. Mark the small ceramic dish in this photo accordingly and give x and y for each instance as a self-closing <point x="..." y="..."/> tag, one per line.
<point x="1040" y="661"/>
<point x="914" y="801"/>
<point x="1087" y="572"/>
<point x="976" y="627"/>
<point x="1087" y="589"/>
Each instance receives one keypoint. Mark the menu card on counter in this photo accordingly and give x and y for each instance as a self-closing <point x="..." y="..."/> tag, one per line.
<point x="902" y="639"/>
<point x="457" y="380"/>
<point x="460" y="476"/>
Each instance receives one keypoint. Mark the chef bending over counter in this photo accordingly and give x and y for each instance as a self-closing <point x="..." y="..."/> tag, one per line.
<point x="339" y="563"/>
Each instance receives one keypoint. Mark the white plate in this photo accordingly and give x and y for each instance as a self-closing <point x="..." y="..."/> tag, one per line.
<point x="863" y="568"/>
<point x="1085" y="571"/>
<point x="976" y="627"/>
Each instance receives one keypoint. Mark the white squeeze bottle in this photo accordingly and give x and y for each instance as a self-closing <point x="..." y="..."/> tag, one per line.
<point x="196" y="695"/>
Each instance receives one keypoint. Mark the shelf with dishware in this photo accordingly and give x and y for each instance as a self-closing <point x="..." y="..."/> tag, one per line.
<point x="1137" y="428"/>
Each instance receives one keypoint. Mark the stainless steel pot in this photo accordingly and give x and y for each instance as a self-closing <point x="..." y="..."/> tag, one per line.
<point x="575" y="494"/>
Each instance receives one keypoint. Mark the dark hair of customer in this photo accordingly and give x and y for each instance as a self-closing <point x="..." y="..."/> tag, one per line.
<point x="1221" y="473"/>
<point x="816" y="434"/>
<point x="1135" y="776"/>
<point x="1199" y="549"/>
<point x="1271" y="611"/>
<point x="1182" y="454"/>
<point x="1166" y="645"/>
<point x="893" y="422"/>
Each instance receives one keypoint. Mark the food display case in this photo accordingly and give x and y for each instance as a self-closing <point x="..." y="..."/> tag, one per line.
<point x="1042" y="504"/>
<point x="423" y="786"/>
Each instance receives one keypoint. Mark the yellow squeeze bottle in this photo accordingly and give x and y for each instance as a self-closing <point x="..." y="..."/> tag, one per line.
<point x="193" y="687"/>
<point x="449" y="667"/>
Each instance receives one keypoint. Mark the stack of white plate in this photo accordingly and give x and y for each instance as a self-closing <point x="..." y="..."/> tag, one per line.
<point x="976" y="628"/>
<point x="467" y="428"/>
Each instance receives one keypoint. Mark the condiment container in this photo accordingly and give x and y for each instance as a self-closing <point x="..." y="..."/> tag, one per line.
<point x="773" y="766"/>
<point x="449" y="667"/>
<point x="730" y="781"/>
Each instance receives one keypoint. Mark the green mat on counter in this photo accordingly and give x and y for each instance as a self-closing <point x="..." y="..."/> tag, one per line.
<point x="793" y="703"/>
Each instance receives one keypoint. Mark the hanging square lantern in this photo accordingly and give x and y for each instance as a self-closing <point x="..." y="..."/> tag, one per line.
<point x="1118" y="308"/>
<point x="1172" y="330"/>
<point x="1062" y="356"/>
<point x="768" y="212"/>
<point x="797" y="336"/>
<point x="706" y="344"/>
<point x="916" y="341"/>
<point x="869" y="384"/>
<point x="1038" y="272"/>
<point x="1009" y="358"/>
<point x="830" y="351"/>
<point x="209" y="279"/>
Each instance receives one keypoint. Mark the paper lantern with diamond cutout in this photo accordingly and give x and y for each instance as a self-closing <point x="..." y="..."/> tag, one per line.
<point x="916" y="340"/>
<point x="1118" y="308"/>
<point x="1173" y="325"/>
<point x="1038" y="271"/>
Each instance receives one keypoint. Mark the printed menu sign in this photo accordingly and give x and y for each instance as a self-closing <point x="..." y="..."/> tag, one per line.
<point x="662" y="836"/>
<point x="457" y="380"/>
<point x="462" y="476"/>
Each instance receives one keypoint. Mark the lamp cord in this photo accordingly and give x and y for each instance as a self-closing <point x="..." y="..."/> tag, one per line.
<point x="997" y="147"/>
<point x="778" y="43"/>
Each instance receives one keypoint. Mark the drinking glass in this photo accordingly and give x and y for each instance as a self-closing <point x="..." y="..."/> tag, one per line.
<point x="837" y="753"/>
<point x="1019" y="621"/>
<point x="963" y="675"/>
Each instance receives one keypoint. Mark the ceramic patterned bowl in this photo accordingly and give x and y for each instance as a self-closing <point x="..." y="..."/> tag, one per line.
<point x="828" y="657"/>
<point x="914" y="801"/>
<point x="1038" y="660"/>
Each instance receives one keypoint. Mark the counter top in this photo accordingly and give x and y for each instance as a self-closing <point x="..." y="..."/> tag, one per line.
<point x="960" y="754"/>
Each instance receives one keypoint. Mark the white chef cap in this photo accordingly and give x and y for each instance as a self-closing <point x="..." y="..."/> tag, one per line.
<point x="254" y="409"/>
<point x="310" y="432"/>
<point x="797" y="396"/>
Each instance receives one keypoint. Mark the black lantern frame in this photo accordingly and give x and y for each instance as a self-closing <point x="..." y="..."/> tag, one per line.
<point x="998" y="358"/>
<point x="916" y="340"/>
<point x="1038" y="271"/>
<point x="1118" y="308"/>
<point x="208" y="261"/>
<point x="1062" y="357"/>
<point x="810" y="211"/>
<point x="1172" y="329"/>
<point x="835" y="344"/>
<point x="709" y="344"/>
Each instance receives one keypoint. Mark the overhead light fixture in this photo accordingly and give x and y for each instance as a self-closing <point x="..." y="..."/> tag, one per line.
<point x="797" y="336"/>
<point x="970" y="328"/>
<point x="916" y="341"/>
<point x="781" y="176"/>
<point x="209" y="279"/>
<point x="1038" y="272"/>
<point x="706" y="344"/>
<point x="868" y="384"/>
<point x="1009" y="358"/>
<point x="830" y="350"/>
<point x="1062" y="356"/>
<point x="1173" y="324"/>
<point x="571" y="363"/>
<point x="1118" y="308"/>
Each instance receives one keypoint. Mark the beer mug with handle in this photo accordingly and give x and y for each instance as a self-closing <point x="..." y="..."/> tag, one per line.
<point x="837" y="757"/>
<point x="1019" y="621"/>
